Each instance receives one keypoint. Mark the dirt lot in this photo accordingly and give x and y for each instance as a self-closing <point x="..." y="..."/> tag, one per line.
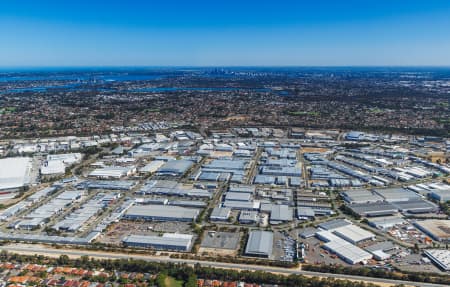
<point x="314" y="149"/>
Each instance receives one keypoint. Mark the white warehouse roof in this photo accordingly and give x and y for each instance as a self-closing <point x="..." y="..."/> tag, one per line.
<point x="14" y="172"/>
<point x="353" y="234"/>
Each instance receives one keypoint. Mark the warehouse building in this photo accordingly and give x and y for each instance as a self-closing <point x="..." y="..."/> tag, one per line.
<point x="441" y="195"/>
<point x="152" y="167"/>
<point x="374" y="209"/>
<point x="379" y="250"/>
<point x="242" y="205"/>
<point x="348" y="252"/>
<point x="360" y="196"/>
<point x="280" y="213"/>
<point x="440" y="257"/>
<point x="57" y="163"/>
<point x="14" y="173"/>
<point x="53" y="167"/>
<point x="397" y="194"/>
<point x="437" y="229"/>
<point x="305" y="213"/>
<point x="242" y="188"/>
<point x="168" y="241"/>
<point x="107" y="185"/>
<point x="227" y="164"/>
<point x="248" y="217"/>
<point x="281" y="171"/>
<point x="39" y="216"/>
<point x="334" y="224"/>
<point x="173" y="188"/>
<point x="220" y="214"/>
<point x="161" y="213"/>
<point x="188" y="203"/>
<point x="416" y="206"/>
<point x="237" y="196"/>
<point x="113" y="172"/>
<point x="353" y="234"/>
<point x="259" y="244"/>
<point x="75" y="220"/>
<point x="386" y="222"/>
<point x="175" y="167"/>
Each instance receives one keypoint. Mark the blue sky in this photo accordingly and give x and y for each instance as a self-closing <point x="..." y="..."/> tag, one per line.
<point x="224" y="33"/>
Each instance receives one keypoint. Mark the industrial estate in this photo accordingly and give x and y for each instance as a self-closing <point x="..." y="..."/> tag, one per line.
<point x="123" y="176"/>
<point x="310" y="196"/>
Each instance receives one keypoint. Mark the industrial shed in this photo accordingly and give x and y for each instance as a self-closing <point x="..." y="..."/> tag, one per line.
<point x="14" y="172"/>
<point x="242" y="188"/>
<point x="175" y="167"/>
<point x="237" y="196"/>
<point x="345" y="250"/>
<point x="374" y="209"/>
<point x="280" y="213"/>
<point x="360" y="196"/>
<point x="440" y="257"/>
<point x="386" y="222"/>
<point x="242" y="205"/>
<point x="397" y="194"/>
<point x="220" y="214"/>
<point x="353" y="234"/>
<point x="416" y="206"/>
<point x="114" y="172"/>
<point x="259" y="244"/>
<point x="441" y="195"/>
<point x="161" y="213"/>
<point x="437" y="229"/>
<point x="334" y="224"/>
<point x="169" y="241"/>
<point x="152" y="167"/>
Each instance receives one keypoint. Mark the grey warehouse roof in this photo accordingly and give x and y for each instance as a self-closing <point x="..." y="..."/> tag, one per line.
<point x="163" y="211"/>
<point x="259" y="243"/>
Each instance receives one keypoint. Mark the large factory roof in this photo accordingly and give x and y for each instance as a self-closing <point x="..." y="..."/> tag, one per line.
<point x="167" y="239"/>
<point x="360" y="196"/>
<point x="440" y="257"/>
<point x="14" y="172"/>
<point x="242" y="188"/>
<point x="353" y="234"/>
<point x="437" y="229"/>
<point x="397" y="194"/>
<point x="227" y="164"/>
<point x="333" y="224"/>
<point x="416" y="206"/>
<point x="259" y="243"/>
<point x="344" y="249"/>
<point x="374" y="209"/>
<point x="280" y="212"/>
<point x="237" y="196"/>
<point x="162" y="211"/>
<point x="175" y="167"/>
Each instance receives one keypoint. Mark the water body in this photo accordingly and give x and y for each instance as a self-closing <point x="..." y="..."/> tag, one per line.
<point x="5" y="78"/>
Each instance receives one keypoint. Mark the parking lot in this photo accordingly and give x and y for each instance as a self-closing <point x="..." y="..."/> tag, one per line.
<point x="118" y="231"/>
<point x="284" y="248"/>
<point x="315" y="254"/>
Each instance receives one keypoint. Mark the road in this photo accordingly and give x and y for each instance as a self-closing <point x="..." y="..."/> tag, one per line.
<point x="47" y="251"/>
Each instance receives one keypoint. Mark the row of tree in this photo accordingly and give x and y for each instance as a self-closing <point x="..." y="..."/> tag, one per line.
<point x="380" y="273"/>
<point x="183" y="272"/>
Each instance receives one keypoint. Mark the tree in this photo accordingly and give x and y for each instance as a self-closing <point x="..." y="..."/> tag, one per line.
<point x="191" y="281"/>
<point x="63" y="260"/>
<point x="161" y="279"/>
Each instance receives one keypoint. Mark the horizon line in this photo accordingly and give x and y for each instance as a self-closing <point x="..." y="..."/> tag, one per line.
<point x="218" y="66"/>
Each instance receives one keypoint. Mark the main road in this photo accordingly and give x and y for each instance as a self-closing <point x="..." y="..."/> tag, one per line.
<point x="34" y="249"/>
